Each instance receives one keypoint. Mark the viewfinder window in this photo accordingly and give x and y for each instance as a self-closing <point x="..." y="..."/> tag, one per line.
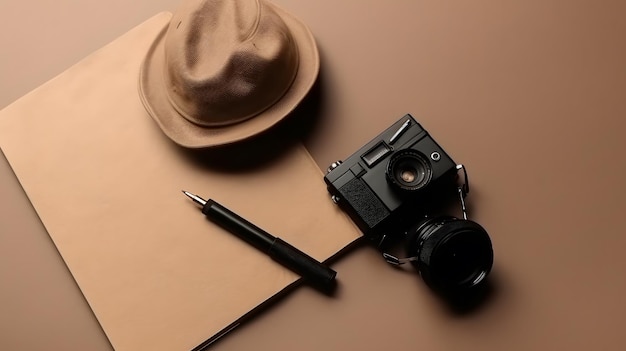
<point x="376" y="153"/>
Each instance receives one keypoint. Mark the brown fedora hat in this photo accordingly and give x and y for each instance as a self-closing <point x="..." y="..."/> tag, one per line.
<point x="225" y="70"/>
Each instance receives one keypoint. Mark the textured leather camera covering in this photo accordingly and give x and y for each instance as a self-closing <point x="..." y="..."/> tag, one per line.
<point x="369" y="207"/>
<point x="107" y="184"/>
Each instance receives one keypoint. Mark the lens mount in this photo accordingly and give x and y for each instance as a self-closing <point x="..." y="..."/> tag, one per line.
<point x="408" y="170"/>
<point x="453" y="254"/>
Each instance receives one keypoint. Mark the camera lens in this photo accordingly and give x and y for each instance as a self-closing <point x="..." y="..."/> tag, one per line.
<point x="408" y="170"/>
<point x="453" y="254"/>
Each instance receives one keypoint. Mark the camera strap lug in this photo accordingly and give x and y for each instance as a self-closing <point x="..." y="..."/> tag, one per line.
<point x="462" y="198"/>
<point x="393" y="260"/>
<point x="465" y="186"/>
<point x="463" y="189"/>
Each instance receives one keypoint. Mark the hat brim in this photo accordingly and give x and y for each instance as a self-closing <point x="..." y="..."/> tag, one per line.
<point x="153" y="94"/>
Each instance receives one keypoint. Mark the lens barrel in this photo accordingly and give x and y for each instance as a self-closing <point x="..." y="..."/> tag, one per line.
<point x="453" y="254"/>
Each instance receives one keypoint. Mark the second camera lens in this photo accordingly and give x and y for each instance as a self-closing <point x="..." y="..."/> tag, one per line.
<point x="454" y="254"/>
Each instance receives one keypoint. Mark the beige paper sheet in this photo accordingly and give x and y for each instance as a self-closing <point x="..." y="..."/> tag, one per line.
<point x="107" y="185"/>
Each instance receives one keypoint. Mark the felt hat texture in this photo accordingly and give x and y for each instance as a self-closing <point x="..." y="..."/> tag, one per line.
<point x="223" y="71"/>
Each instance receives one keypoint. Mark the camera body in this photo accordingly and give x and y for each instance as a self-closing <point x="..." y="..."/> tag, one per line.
<point x="363" y="186"/>
<point x="393" y="185"/>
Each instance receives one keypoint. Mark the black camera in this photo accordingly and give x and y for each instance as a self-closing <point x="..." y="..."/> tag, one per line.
<point x="393" y="185"/>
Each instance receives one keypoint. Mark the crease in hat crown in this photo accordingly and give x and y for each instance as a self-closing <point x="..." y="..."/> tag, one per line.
<point x="227" y="61"/>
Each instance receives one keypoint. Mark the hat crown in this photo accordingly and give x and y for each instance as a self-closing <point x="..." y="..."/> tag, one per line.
<point x="227" y="60"/>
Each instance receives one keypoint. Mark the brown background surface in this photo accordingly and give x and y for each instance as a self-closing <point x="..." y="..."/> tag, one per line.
<point x="528" y="94"/>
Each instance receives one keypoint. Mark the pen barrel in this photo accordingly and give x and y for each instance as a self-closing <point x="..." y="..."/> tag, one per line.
<point x="313" y="272"/>
<point x="237" y="225"/>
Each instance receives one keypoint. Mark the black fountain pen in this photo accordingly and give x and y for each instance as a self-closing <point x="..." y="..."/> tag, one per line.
<point x="313" y="272"/>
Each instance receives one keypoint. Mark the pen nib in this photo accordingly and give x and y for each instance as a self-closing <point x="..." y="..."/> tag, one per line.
<point x="197" y="199"/>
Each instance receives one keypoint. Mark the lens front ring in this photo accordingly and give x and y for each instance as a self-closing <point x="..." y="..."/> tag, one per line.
<point x="408" y="170"/>
<point x="453" y="254"/>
